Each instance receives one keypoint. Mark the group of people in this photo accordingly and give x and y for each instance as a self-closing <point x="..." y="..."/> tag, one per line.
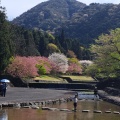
<point x="3" y="87"/>
<point x="75" y="99"/>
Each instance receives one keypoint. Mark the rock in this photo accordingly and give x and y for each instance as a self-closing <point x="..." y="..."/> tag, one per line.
<point x="116" y="112"/>
<point x="17" y="105"/>
<point x="53" y="109"/>
<point x="97" y="111"/>
<point x="85" y="110"/>
<point x="25" y="106"/>
<point x="65" y="110"/>
<point x="5" y="105"/>
<point x="107" y="111"/>
<point x="34" y="107"/>
<point x="74" y="110"/>
<point x="43" y="103"/>
<point x="10" y="104"/>
<point x="45" y="108"/>
<point x="49" y="102"/>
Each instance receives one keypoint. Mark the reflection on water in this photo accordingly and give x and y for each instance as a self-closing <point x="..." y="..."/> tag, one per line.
<point x="3" y="115"/>
<point x="33" y="114"/>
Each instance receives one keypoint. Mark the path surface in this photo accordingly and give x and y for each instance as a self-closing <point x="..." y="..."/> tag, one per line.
<point x="15" y="94"/>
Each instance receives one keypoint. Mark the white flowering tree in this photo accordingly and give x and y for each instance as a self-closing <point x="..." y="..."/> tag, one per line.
<point x="85" y="64"/>
<point x="59" y="61"/>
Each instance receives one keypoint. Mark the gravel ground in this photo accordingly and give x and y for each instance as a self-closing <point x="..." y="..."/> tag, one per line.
<point x="15" y="94"/>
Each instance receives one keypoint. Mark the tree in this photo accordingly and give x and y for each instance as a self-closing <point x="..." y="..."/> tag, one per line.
<point x="71" y="54"/>
<point x="30" y="44"/>
<point x="41" y="69"/>
<point x="74" y="69"/>
<point x="42" y="45"/>
<point x="23" y="67"/>
<point x="74" y="66"/>
<point x="107" y="54"/>
<point x="85" y="64"/>
<point x="44" y="65"/>
<point x="60" y="62"/>
<point x="6" y="50"/>
<point x="73" y="60"/>
<point x="51" y="48"/>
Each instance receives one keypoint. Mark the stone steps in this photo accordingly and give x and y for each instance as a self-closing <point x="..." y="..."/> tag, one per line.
<point x="86" y="111"/>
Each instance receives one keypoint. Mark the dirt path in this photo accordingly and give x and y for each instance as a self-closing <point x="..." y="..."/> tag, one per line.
<point x="15" y="94"/>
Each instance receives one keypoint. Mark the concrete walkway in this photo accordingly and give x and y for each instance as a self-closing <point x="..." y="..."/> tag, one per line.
<point x="17" y="95"/>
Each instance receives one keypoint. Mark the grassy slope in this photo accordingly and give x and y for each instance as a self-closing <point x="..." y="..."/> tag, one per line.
<point x="80" y="78"/>
<point x="56" y="79"/>
<point x="49" y="78"/>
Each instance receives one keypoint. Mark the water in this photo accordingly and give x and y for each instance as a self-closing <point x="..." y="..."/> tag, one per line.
<point x="87" y="95"/>
<point x="34" y="114"/>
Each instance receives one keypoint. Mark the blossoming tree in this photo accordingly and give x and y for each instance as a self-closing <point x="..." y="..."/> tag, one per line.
<point x="74" y="69"/>
<point x="59" y="62"/>
<point x="23" y="67"/>
<point x="44" y="65"/>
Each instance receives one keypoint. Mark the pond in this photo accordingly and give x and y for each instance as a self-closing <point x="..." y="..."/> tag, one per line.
<point x="38" y="114"/>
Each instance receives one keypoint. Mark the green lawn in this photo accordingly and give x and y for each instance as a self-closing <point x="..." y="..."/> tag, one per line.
<point x="79" y="78"/>
<point x="49" y="78"/>
<point x="46" y="78"/>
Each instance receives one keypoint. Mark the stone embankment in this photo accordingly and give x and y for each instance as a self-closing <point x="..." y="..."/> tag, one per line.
<point x="34" y="104"/>
<point x="111" y="95"/>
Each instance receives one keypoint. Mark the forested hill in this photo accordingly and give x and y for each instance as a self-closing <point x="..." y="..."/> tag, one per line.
<point x="19" y="41"/>
<point x="77" y="19"/>
<point x="49" y="15"/>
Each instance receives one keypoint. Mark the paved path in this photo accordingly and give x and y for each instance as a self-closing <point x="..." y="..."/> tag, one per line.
<point x="15" y="94"/>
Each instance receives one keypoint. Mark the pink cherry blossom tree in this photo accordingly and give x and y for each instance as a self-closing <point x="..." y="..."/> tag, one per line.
<point x="23" y="67"/>
<point x="74" y="69"/>
<point x="29" y="66"/>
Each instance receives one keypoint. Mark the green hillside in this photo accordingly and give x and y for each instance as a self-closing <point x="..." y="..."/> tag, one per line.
<point x="78" y="20"/>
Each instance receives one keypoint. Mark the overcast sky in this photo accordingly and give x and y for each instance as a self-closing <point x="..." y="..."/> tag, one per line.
<point x="16" y="7"/>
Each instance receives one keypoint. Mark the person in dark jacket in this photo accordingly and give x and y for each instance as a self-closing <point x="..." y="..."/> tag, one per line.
<point x="4" y="87"/>
<point x="0" y="88"/>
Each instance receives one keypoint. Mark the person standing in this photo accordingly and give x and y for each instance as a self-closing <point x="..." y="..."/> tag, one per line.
<point x="0" y="88"/>
<point x="95" y="92"/>
<point x="4" y="87"/>
<point x="75" y="100"/>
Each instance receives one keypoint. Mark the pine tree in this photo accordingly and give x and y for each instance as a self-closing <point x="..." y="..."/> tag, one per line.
<point x="5" y="42"/>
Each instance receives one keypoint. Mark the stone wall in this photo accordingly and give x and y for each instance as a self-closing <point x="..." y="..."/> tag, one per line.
<point x="62" y="85"/>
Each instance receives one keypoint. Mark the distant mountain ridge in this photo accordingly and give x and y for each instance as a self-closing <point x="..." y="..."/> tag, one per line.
<point x="77" y="19"/>
<point x="49" y="15"/>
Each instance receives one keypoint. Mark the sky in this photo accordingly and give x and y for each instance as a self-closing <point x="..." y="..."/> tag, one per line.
<point x="14" y="8"/>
